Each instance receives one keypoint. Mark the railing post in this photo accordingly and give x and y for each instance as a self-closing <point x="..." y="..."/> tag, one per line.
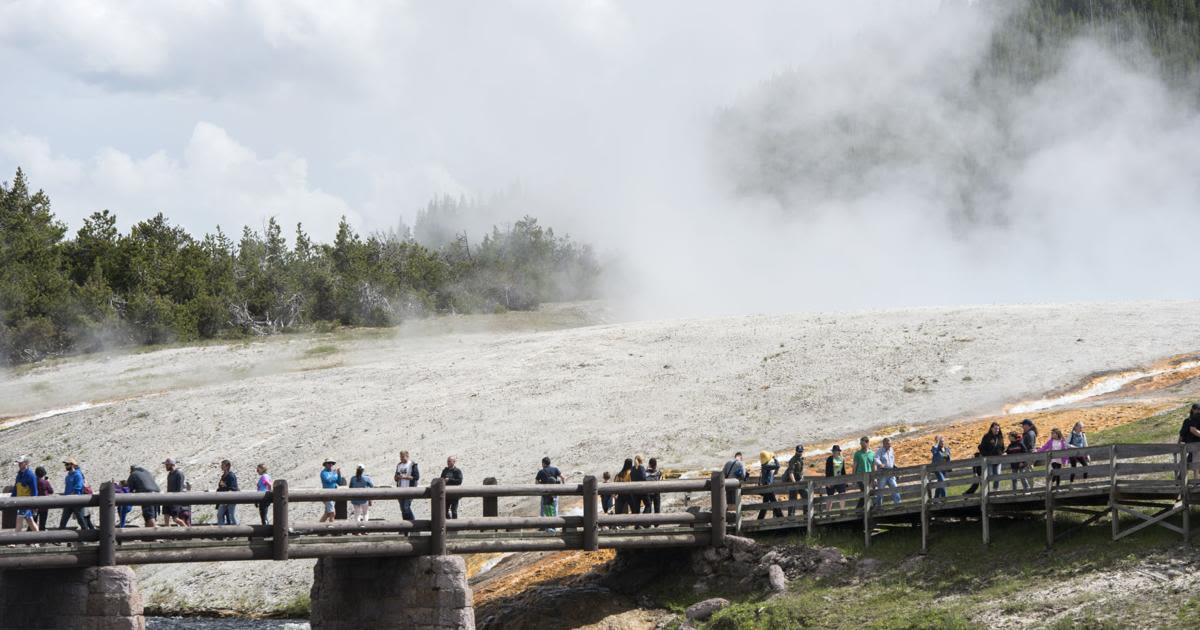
<point x="1184" y="499"/>
<point x="1049" y="508"/>
<point x="984" y="491"/>
<point x="591" y="526"/>
<point x="106" y="554"/>
<point x="491" y="504"/>
<point x="716" y="484"/>
<point x="866" y="501"/>
<point x="1112" y="491"/>
<point x="808" y="512"/>
<point x="924" y="509"/>
<point x="437" y="517"/>
<point x="279" y="520"/>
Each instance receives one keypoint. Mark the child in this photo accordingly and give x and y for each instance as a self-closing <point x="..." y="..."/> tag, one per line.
<point x="1016" y="447"/>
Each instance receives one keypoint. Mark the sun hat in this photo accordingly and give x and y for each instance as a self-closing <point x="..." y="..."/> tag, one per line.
<point x="329" y="460"/>
<point x="765" y="456"/>
<point x="23" y="459"/>
<point x="361" y="467"/>
<point x="71" y="461"/>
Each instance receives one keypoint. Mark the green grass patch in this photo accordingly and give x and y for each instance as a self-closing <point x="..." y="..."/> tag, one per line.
<point x="321" y="350"/>
<point x="1159" y="428"/>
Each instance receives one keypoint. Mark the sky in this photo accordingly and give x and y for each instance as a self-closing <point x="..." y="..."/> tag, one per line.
<point x="614" y="119"/>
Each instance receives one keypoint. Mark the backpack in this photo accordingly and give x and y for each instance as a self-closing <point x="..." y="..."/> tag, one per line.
<point x="730" y="470"/>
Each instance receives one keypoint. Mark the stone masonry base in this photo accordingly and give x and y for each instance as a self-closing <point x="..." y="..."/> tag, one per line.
<point x="95" y="598"/>
<point x="425" y="592"/>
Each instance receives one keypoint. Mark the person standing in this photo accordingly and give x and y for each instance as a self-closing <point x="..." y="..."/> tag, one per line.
<point x="548" y="475"/>
<point x="654" y="499"/>
<point x="768" y="468"/>
<point x="992" y="445"/>
<point x="45" y="489"/>
<point x="75" y="484"/>
<point x="885" y="458"/>
<point x="330" y="480"/>
<point x="794" y="473"/>
<point x="606" y="499"/>
<point x="940" y="453"/>
<point x="360" y="508"/>
<point x="176" y="482"/>
<point x="625" y="475"/>
<point x="25" y="486"/>
<point x="734" y="469"/>
<point x="141" y="481"/>
<point x="1029" y="435"/>
<point x="122" y="487"/>
<point x="453" y="477"/>
<point x="408" y="475"/>
<point x="227" y="512"/>
<point x="263" y="484"/>
<point x="835" y="466"/>
<point x="1078" y="439"/>
<point x="640" y="502"/>
<point x="1189" y="433"/>
<point x="1056" y="443"/>
<point x="864" y="462"/>
<point x="1016" y="446"/>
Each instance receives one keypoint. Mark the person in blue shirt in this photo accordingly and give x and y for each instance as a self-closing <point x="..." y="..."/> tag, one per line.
<point x="549" y="475"/>
<point x="74" y="484"/>
<point x="330" y="480"/>
<point x="360" y="507"/>
<point x="26" y="486"/>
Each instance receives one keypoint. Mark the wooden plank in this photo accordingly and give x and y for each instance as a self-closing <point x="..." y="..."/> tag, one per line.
<point x="279" y="520"/>
<point x="1184" y="494"/>
<point x="924" y="510"/>
<point x="1142" y="450"/>
<point x="1139" y="468"/>
<point x="437" y="517"/>
<point x="866" y="511"/>
<point x="1049" y="507"/>
<point x="984" y="492"/>
<point x="808" y="513"/>
<point x="1112" y="492"/>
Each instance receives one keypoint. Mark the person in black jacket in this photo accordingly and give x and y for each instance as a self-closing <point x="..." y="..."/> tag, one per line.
<point x="1017" y="447"/>
<point x="794" y="473"/>
<point x="1189" y="433"/>
<point x="140" y="480"/>
<point x="453" y="477"/>
<point x="768" y="468"/>
<point x="835" y="466"/>
<point x="992" y="445"/>
<point x="227" y="512"/>
<point x="640" y="501"/>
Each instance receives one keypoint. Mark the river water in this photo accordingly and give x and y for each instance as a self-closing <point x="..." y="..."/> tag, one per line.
<point x="210" y="623"/>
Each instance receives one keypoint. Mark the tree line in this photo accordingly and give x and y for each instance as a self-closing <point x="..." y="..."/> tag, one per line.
<point x="157" y="283"/>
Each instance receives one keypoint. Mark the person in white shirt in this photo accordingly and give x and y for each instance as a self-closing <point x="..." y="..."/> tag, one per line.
<point x="885" y="457"/>
<point x="407" y="476"/>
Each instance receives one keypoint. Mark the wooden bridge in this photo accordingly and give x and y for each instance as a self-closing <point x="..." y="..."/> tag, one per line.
<point x="416" y="579"/>
<point x="1118" y="480"/>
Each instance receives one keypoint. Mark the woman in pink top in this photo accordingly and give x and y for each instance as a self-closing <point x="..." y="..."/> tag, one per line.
<point x="1056" y="443"/>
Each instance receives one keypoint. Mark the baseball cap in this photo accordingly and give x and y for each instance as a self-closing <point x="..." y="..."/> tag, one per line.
<point x="169" y="460"/>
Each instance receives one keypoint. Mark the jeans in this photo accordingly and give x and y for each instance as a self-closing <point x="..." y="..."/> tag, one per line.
<point x="452" y="508"/>
<point x="406" y="510"/>
<point x="1016" y="468"/>
<point x="81" y="516"/>
<point x="993" y="471"/>
<point x="888" y="482"/>
<point x="770" y="498"/>
<point x="264" y="509"/>
<point x="939" y="492"/>
<point x="227" y="514"/>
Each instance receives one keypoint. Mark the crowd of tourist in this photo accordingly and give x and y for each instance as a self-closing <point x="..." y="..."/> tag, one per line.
<point x="36" y="482"/>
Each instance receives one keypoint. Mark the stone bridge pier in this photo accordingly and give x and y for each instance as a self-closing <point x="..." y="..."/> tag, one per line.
<point x="93" y="598"/>
<point x="422" y="592"/>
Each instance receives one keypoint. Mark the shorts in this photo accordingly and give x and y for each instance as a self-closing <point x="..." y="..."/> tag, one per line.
<point x="171" y="510"/>
<point x="150" y="512"/>
<point x="329" y="507"/>
<point x="24" y="513"/>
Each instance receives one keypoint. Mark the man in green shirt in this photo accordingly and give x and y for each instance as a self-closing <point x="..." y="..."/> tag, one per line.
<point x="864" y="462"/>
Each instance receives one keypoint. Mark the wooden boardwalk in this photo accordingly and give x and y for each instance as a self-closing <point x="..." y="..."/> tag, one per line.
<point x="1149" y="483"/>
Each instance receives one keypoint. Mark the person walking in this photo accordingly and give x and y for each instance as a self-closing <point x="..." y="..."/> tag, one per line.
<point x="794" y="473"/>
<point x="453" y="477"/>
<point x="606" y="498"/>
<point x="408" y="475"/>
<point x="977" y="471"/>
<point x="228" y="482"/>
<point x="939" y="454"/>
<point x="654" y="499"/>
<point x="26" y="485"/>
<point x="1016" y="446"/>
<point x="768" y="469"/>
<point x="835" y="466"/>
<point x="885" y="458"/>
<point x="176" y="482"/>
<point x="864" y="462"/>
<point x="330" y="480"/>
<point x="1056" y="443"/>
<point x="640" y="502"/>
<point x="142" y="481"/>
<point x="360" y="508"/>
<point x="992" y="445"/>
<point x="1078" y="439"/>
<point x="122" y="487"/>
<point x="625" y="475"/>
<point x="548" y="475"/>
<point x="734" y="469"/>
<point x="45" y="489"/>
<point x="74" y="484"/>
<point x="263" y="483"/>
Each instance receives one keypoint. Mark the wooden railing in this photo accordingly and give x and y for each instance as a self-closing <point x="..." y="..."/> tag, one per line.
<point x="1117" y="480"/>
<point x="282" y="540"/>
